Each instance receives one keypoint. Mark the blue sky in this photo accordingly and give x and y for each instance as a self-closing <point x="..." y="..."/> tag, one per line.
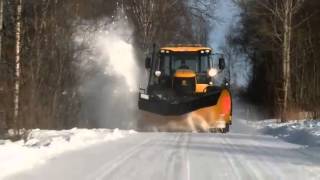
<point x="226" y="12"/>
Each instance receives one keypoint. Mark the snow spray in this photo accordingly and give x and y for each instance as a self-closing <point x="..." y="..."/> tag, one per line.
<point x="110" y="81"/>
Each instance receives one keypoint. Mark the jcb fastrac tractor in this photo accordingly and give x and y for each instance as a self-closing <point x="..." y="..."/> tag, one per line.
<point x="188" y="82"/>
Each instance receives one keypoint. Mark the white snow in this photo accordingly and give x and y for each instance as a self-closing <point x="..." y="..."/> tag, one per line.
<point x="304" y="132"/>
<point x="43" y="145"/>
<point x="237" y="155"/>
<point x="184" y="156"/>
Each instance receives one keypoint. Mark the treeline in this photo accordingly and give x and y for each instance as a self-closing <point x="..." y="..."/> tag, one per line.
<point x="171" y="21"/>
<point x="39" y="72"/>
<point x="281" y="39"/>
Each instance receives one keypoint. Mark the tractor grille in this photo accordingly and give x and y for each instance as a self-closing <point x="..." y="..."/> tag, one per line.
<point x="184" y="86"/>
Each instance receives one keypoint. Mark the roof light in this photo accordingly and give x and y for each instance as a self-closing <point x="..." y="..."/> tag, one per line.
<point x="207" y="51"/>
<point x="167" y="52"/>
<point x="162" y="51"/>
<point x="202" y="52"/>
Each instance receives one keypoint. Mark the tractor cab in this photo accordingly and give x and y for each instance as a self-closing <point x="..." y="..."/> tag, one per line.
<point x="185" y="70"/>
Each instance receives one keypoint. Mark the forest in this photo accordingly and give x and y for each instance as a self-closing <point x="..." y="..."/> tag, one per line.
<point x="40" y="72"/>
<point x="281" y="40"/>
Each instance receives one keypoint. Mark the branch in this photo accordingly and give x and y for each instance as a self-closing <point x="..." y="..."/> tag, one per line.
<point x="305" y="20"/>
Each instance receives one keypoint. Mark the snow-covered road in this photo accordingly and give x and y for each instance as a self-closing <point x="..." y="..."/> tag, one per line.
<point x="173" y="156"/>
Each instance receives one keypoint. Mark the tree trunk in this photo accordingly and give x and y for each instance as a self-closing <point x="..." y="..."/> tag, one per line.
<point x="1" y="26"/>
<point x="17" y="65"/>
<point x="2" y="119"/>
<point x="286" y="58"/>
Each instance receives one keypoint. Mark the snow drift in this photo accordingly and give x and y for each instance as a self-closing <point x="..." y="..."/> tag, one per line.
<point x="305" y="132"/>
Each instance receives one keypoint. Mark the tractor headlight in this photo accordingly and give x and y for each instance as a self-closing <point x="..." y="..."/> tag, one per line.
<point x="158" y="73"/>
<point x="212" y="72"/>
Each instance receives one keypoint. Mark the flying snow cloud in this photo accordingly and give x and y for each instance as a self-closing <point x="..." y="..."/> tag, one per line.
<point x="110" y="69"/>
<point x="109" y="45"/>
<point x="118" y="57"/>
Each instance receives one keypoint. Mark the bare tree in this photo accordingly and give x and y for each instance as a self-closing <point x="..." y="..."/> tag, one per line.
<point x="2" y="123"/>
<point x="143" y="12"/>
<point x="284" y="11"/>
<point x="171" y="21"/>
<point x="1" y="25"/>
<point x="203" y="16"/>
<point x="17" y="64"/>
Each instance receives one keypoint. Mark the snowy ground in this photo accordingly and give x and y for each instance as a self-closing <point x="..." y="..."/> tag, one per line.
<point x="89" y="154"/>
<point x="42" y="146"/>
<point x="306" y="132"/>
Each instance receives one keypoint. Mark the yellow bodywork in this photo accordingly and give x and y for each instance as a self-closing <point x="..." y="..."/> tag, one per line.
<point x="185" y="73"/>
<point x="201" y="88"/>
<point x="184" y="48"/>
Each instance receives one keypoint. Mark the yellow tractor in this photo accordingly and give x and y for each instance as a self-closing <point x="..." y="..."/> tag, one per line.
<point x="185" y="84"/>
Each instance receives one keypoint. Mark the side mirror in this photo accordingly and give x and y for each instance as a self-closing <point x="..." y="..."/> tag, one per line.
<point x="222" y="63"/>
<point x="148" y="63"/>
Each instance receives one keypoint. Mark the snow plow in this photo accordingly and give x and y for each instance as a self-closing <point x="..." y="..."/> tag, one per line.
<point x="183" y="84"/>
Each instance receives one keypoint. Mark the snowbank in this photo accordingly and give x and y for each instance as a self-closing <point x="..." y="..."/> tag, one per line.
<point x="42" y="145"/>
<point x="305" y="132"/>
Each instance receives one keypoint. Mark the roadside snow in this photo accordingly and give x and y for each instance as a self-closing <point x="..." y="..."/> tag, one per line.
<point x="43" y="145"/>
<point x="306" y="132"/>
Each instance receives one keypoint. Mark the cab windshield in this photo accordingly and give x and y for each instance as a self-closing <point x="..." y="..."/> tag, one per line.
<point x="169" y="63"/>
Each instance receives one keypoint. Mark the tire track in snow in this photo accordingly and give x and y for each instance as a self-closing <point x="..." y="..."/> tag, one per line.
<point x="113" y="164"/>
<point x="244" y="162"/>
<point x="153" y="159"/>
<point x="171" y="167"/>
<point x="235" y="168"/>
<point x="282" y="172"/>
<point x="170" y="157"/>
<point x="265" y="162"/>
<point x="178" y="159"/>
<point x="188" y="159"/>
